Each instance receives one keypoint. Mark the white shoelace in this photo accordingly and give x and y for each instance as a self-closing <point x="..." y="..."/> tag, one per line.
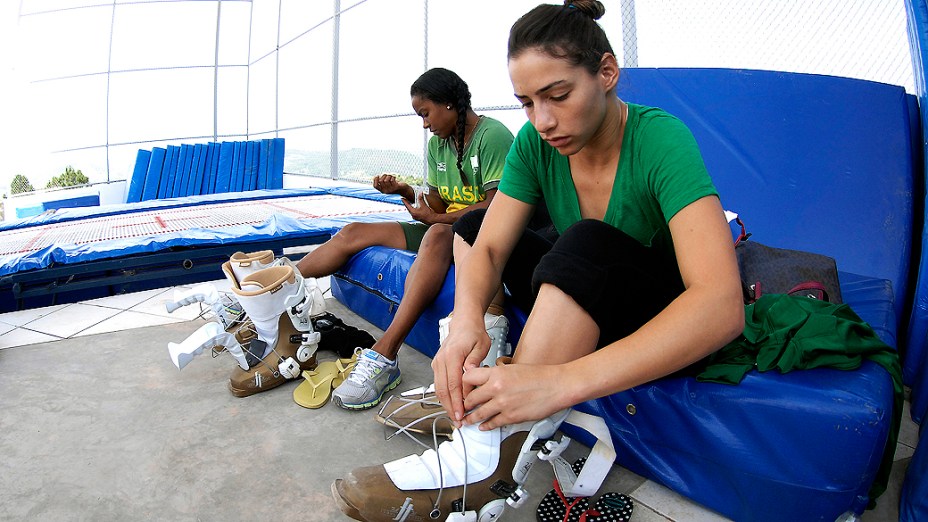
<point x="365" y="369"/>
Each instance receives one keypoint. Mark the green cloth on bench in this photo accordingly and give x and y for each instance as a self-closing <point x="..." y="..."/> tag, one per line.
<point x="794" y="333"/>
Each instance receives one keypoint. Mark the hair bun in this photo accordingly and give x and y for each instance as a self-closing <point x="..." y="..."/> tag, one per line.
<point x="592" y="8"/>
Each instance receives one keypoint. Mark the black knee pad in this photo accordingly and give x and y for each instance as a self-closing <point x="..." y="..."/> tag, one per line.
<point x="469" y="225"/>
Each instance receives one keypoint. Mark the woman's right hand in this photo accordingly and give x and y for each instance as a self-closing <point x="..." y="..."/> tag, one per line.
<point x="388" y="184"/>
<point x="464" y="348"/>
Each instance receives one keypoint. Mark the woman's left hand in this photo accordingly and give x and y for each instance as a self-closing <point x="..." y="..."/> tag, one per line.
<point x="512" y="393"/>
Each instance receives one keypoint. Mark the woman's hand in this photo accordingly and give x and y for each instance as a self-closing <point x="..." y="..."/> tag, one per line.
<point x="422" y="212"/>
<point x="388" y="184"/>
<point x="512" y="393"/>
<point x="463" y="349"/>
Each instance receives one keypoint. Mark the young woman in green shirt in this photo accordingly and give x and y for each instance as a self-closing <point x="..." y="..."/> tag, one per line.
<point x="641" y="282"/>
<point x="465" y="162"/>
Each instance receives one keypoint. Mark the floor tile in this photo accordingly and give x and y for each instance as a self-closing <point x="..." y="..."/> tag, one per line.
<point x="23" y="317"/>
<point x="156" y="306"/>
<point x="128" y="320"/>
<point x="4" y="328"/>
<point x="903" y="452"/>
<point x="908" y="430"/>
<point x="72" y="319"/>
<point x="673" y="505"/>
<point x="23" y="337"/>
<point x="126" y="301"/>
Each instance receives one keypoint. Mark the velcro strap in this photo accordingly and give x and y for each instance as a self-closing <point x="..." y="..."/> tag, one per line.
<point x="598" y="464"/>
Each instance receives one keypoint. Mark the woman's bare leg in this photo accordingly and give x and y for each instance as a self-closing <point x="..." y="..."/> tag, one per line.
<point x="328" y="257"/>
<point x="423" y="283"/>
<point x="558" y="330"/>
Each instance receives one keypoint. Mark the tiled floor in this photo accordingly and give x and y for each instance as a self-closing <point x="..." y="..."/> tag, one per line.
<point x="143" y="309"/>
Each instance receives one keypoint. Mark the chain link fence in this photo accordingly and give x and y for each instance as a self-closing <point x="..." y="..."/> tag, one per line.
<point x="333" y="78"/>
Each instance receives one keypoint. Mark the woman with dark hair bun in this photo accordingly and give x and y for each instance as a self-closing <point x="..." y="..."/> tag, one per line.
<point x="465" y="162"/>
<point x="642" y="281"/>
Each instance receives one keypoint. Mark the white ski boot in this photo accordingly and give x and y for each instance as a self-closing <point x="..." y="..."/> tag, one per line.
<point x="273" y="339"/>
<point x="474" y="476"/>
<point x="279" y="308"/>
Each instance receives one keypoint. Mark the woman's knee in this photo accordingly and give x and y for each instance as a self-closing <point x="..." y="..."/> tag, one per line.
<point x="469" y="225"/>
<point x="437" y="241"/>
<point x="355" y="237"/>
<point x="596" y="241"/>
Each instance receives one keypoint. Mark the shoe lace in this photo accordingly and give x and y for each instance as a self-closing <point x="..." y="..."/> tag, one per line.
<point x="390" y="422"/>
<point x="365" y="370"/>
<point x="435" y="417"/>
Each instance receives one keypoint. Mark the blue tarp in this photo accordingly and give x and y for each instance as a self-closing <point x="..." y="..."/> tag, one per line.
<point x="278" y="226"/>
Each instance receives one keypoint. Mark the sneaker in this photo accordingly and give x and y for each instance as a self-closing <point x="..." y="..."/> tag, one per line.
<point x="497" y="329"/>
<point x="373" y="375"/>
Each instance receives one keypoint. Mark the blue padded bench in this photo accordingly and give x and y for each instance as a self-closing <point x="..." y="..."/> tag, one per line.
<point x="806" y="170"/>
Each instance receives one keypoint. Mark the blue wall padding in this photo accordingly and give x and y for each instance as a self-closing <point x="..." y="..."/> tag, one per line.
<point x="91" y="200"/>
<point x="248" y="169"/>
<point x="203" y="186"/>
<point x="255" y="164"/>
<point x="915" y="364"/>
<point x="184" y="183"/>
<point x="235" y="185"/>
<point x="213" y="169"/>
<point x="180" y="173"/>
<point x="224" y="175"/>
<point x="138" y="176"/>
<point x="170" y="163"/>
<point x="208" y="168"/>
<point x="196" y="181"/>
<point x="913" y="505"/>
<point x="276" y="174"/>
<point x="25" y="212"/>
<point x="153" y="175"/>
<point x="796" y="165"/>
<point x="261" y="181"/>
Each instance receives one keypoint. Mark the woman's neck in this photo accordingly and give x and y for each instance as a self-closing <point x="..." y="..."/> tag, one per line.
<point x="470" y="125"/>
<point x="606" y="144"/>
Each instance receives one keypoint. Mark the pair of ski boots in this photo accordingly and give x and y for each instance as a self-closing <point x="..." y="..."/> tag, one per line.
<point x="476" y="475"/>
<point x="272" y="339"/>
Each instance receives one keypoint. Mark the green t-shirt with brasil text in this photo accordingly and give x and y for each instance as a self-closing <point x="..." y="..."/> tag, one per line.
<point x="483" y="161"/>
<point x="660" y="171"/>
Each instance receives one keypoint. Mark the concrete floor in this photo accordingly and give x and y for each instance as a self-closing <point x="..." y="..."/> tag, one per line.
<point x="104" y="427"/>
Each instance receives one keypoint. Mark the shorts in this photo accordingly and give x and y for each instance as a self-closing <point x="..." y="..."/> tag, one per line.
<point x="414" y="232"/>
<point x="621" y="283"/>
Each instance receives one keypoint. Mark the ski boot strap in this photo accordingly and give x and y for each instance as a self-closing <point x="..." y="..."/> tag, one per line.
<point x="597" y="465"/>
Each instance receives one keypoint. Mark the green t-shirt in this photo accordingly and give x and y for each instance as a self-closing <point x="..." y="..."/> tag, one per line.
<point x="483" y="161"/>
<point x="660" y="171"/>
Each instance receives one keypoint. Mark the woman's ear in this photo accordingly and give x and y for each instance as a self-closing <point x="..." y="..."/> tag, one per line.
<point x="608" y="71"/>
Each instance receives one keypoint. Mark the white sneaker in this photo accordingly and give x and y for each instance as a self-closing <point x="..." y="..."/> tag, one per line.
<point x="372" y="376"/>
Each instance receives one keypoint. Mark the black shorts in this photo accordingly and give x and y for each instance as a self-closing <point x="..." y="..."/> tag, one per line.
<point x="621" y="283"/>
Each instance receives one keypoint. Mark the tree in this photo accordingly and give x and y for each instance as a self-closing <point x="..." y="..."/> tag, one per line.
<point x="20" y="184"/>
<point x="68" y="178"/>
